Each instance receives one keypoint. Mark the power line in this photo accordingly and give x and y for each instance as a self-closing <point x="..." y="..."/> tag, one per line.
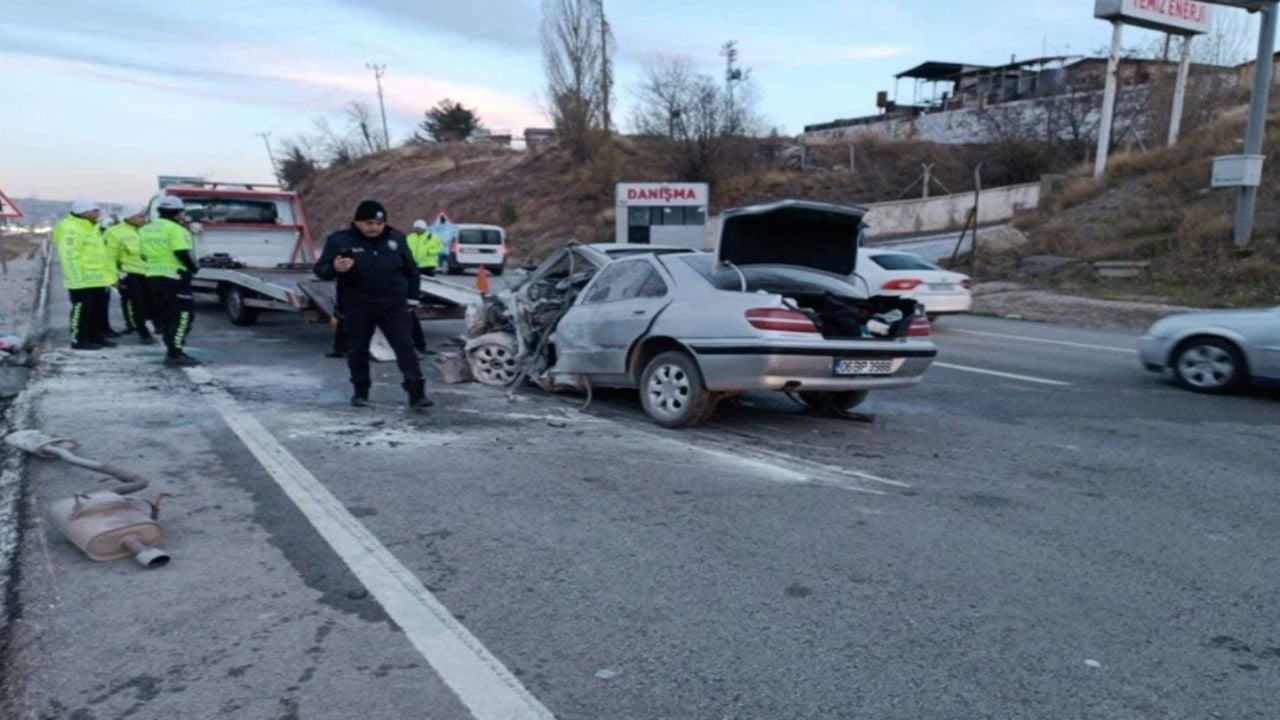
<point x="378" y="71"/>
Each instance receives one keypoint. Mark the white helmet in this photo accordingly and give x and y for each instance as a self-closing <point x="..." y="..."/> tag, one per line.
<point x="82" y="205"/>
<point x="419" y="224"/>
<point x="170" y="202"/>
<point x="132" y="211"/>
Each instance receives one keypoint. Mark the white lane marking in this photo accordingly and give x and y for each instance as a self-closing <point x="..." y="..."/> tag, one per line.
<point x="996" y="373"/>
<point x="1064" y="343"/>
<point x="480" y="681"/>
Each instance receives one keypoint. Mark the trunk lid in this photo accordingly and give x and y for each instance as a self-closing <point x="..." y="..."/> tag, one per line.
<point x="813" y="235"/>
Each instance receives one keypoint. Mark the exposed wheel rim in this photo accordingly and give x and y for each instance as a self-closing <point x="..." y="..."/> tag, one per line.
<point x="1207" y="366"/>
<point x="669" y="391"/>
<point x="494" y="365"/>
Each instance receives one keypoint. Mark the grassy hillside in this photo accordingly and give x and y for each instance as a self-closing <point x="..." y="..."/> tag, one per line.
<point x="544" y="199"/>
<point x="1157" y="206"/>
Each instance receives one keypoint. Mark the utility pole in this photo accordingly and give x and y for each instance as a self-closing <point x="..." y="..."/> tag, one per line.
<point x="606" y="80"/>
<point x="1108" y="101"/>
<point x="378" y="71"/>
<point x="1263" y="72"/>
<point x="731" y="75"/>
<point x="275" y="169"/>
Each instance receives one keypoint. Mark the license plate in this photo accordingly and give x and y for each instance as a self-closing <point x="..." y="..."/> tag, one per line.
<point x="864" y="367"/>
<point x="945" y="287"/>
<point x="486" y="251"/>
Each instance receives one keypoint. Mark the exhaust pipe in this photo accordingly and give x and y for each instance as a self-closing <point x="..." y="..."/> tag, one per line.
<point x="105" y="525"/>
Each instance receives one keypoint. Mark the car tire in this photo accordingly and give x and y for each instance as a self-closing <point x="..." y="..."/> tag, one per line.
<point x="239" y="313"/>
<point x="1209" y="365"/>
<point x="494" y="360"/>
<point x="672" y="391"/>
<point x="834" y="403"/>
<point x="497" y="270"/>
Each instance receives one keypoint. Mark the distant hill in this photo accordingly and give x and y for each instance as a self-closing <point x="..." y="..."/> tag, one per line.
<point x="41" y="212"/>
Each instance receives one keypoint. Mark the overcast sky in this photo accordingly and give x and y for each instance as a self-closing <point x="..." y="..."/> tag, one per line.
<point x="101" y="96"/>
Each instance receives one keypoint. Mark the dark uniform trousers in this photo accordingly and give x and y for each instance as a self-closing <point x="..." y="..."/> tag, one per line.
<point x="171" y="305"/>
<point x="87" y="315"/>
<point x="361" y="318"/>
<point x="133" y="296"/>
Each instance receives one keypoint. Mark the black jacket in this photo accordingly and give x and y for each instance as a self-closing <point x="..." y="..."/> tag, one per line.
<point x="384" y="268"/>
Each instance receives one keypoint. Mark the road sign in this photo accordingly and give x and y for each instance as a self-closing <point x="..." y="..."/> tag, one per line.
<point x="7" y="208"/>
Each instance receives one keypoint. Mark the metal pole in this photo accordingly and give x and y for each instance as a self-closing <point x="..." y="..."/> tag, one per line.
<point x="1108" y="101"/>
<point x="852" y="165"/>
<point x="605" y="80"/>
<point x="927" y="180"/>
<point x="378" y="70"/>
<point x="1180" y="90"/>
<point x="1262" y="75"/>
<point x="275" y="169"/>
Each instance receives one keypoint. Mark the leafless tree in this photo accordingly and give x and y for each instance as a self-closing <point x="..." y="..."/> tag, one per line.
<point x="360" y="121"/>
<point x="703" y="129"/>
<point x="576" y="52"/>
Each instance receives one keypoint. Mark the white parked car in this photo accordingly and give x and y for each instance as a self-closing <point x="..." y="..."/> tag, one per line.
<point x="473" y="247"/>
<point x="907" y="275"/>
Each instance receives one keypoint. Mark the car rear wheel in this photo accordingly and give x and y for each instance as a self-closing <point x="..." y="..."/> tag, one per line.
<point x="497" y="270"/>
<point x="237" y="311"/>
<point x="672" y="391"/>
<point x="834" y="402"/>
<point x="1209" y="365"/>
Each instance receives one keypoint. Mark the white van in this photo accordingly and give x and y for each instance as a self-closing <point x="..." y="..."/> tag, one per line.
<point x="473" y="247"/>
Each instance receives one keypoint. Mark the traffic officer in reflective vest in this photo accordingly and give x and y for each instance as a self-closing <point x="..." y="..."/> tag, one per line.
<point x="124" y="244"/>
<point x="86" y="272"/>
<point x="426" y="248"/>
<point x="378" y="283"/>
<point x="166" y="248"/>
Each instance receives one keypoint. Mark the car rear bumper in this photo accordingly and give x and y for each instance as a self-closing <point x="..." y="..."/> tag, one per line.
<point x="729" y="368"/>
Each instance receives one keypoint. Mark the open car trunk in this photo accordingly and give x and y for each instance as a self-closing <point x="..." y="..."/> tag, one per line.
<point x="800" y="233"/>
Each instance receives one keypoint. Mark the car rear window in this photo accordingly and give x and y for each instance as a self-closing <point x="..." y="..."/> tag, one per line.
<point x="770" y="278"/>
<point x="231" y="210"/>
<point x="479" y="237"/>
<point x="902" y="261"/>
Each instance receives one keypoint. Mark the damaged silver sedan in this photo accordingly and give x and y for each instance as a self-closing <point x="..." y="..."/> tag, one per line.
<point x="773" y="309"/>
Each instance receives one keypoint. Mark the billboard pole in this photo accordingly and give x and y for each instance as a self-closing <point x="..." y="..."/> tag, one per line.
<point x="1180" y="90"/>
<point x="1108" y="101"/>
<point x="1262" y="74"/>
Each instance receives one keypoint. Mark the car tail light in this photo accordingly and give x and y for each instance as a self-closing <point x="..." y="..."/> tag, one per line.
<point x="920" y="327"/>
<point x="966" y="283"/>
<point x="903" y="284"/>
<point x="505" y="251"/>
<point x="781" y="320"/>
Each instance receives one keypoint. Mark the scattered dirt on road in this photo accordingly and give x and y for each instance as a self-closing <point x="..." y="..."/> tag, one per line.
<point x="1014" y="300"/>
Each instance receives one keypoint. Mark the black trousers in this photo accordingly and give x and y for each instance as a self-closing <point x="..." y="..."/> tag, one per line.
<point x="171" y="305"/>
<point x="419" y="339"/>
<point x="87" y="316"/>
<point x="104" y="310"/>
<point x="133" y="296"/>
<point x="361" y="318"/>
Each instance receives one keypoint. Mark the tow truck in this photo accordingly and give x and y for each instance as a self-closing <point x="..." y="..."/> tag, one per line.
<point x="256" y="251"/>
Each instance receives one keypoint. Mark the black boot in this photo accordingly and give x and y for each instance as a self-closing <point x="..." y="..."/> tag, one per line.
<point x="417" y="390"/>
<point x="181" y="360"/>
<point x="360" y="397"/>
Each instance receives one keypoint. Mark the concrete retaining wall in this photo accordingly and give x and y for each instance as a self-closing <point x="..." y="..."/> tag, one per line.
<point x="948" y="212"/>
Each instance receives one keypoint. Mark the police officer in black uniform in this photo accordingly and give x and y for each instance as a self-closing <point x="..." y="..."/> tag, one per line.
<point x="378" y="283"/>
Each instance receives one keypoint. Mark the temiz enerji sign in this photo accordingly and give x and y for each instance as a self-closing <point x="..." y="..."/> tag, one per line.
<point x="1184" y="17"/>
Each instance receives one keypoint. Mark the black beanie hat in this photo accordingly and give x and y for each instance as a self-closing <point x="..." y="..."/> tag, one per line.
<point x="370" y="210"/>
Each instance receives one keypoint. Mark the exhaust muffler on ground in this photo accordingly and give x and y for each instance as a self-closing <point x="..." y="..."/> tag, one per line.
<point x="104" y="524"/>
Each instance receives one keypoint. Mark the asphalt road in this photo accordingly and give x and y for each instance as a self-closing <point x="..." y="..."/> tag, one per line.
<point x="1041" y="530"/>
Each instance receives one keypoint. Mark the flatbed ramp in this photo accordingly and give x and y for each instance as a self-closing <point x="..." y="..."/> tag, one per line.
<point x="324" y="297"/>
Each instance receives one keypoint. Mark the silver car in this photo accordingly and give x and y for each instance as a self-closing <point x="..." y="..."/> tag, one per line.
<point x="771" y="310"/>
<point x="1216" y="352"/>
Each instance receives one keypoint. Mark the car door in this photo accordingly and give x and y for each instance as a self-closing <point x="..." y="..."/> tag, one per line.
<point x="614" y="311"/>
